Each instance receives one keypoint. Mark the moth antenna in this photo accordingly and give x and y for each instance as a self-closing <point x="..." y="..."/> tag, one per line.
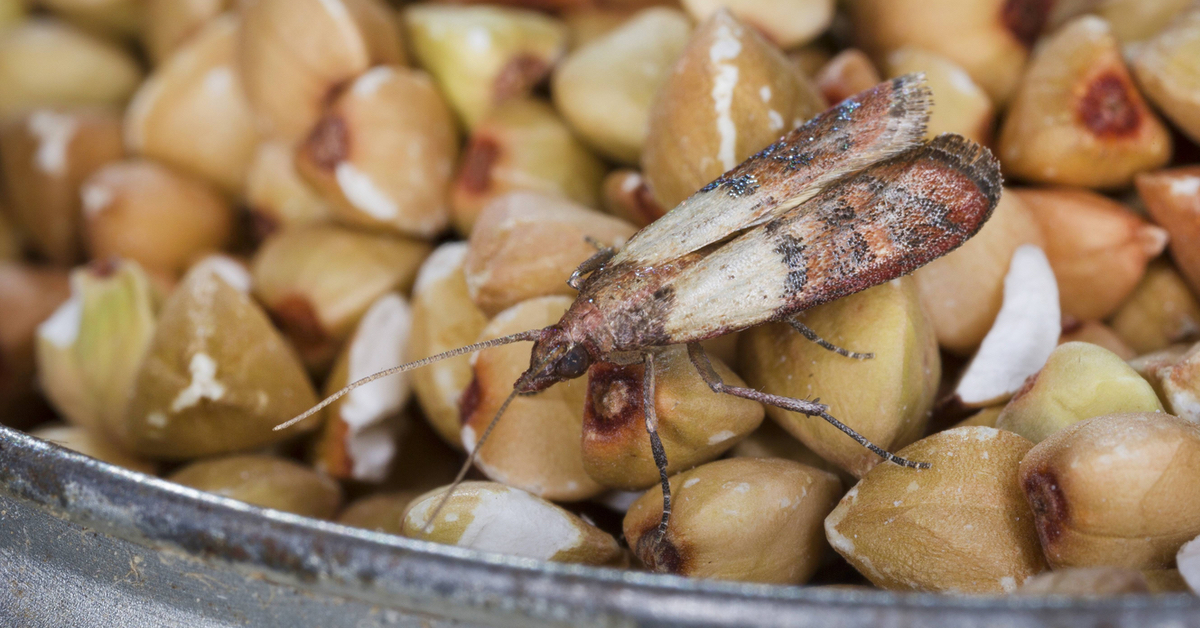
<point x="462" y="472"/>
<point x="532" y="334"/>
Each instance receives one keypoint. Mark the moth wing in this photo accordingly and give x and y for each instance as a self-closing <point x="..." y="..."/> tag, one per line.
<point x="874" y="125"/>
<point x="879" y="224"/>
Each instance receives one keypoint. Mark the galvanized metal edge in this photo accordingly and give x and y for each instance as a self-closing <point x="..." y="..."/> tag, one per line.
<point x="373" y="571"/>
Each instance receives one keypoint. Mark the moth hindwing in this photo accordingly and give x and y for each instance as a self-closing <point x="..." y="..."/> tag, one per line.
<point x="879" y="123"/>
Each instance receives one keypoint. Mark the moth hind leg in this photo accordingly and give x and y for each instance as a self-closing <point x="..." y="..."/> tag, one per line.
<point x="595" y="262"/>
<point x="807" y="332"/>
<point x="654" y="548"/>
<point x="811" y="408"/>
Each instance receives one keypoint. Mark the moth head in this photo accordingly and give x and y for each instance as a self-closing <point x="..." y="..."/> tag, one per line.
<point x="555" y="358"/>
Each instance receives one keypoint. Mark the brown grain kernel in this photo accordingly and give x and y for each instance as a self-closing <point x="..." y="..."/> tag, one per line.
<point x="1097" y="247"/>
<point x="537" y="446"/>
<point x="444" y="318"/>
<point x="1170" y="200"/>
<point x="646" y="204"/>
<point x="528" y="146"/>
<point x="385" y="164"/>
<point x="963" y="525"/>
<point x="696" y="425"/>
<point x="287" y="83"/>
<point x="207" y="317"/>
<point x="988" y="38"/>
<point x="1140" y="21"/>
<point x="1106" y="107"/>
<point x="168" y="23"/>
<point x="476" y="73"/>
<point x="887" y="319"/>
<point x="1076" y="118"/>
<point x="1079" y="381"/>
<point x="786" y="23"/>
<point x="747" y="519"/>
<point x="605" y="89"/>
<point x="28" y="296"/>
<point x="1115" y="490"/>
<point x="358" y="439"/>
<point x="1166" y="68"/>
<point x="525" y="244"/>
<point x="44" y="204"/>
<point x="683" y="149"/>
<point x="89" y="379"/>
<point x="181" y="117"/>
<point x="267" y="481"/>
<point x="847" y="74"/>
<point x="164" y="219"/>
<point x="46" y="62"/>
<point x="275" y="195"/>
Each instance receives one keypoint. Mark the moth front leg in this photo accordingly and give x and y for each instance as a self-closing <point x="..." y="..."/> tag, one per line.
<point x="807" y="332"/>
<point x="595" y="262"/>
<point x="811" y="408"/>
<point x="651" y="544"/>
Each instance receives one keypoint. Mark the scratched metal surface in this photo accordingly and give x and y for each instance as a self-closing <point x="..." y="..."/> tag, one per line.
<point x="87" y="544"/>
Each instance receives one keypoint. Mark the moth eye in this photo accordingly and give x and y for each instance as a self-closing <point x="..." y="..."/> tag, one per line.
<point x="574" y="364"/>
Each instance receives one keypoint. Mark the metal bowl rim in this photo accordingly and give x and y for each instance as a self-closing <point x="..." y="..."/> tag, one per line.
<point x="97" y="494"/>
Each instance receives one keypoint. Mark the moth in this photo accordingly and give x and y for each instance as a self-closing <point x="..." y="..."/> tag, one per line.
<point x="851" y="199"/>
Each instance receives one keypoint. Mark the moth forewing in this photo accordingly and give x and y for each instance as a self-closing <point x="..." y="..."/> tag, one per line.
<point x="874" y="125"/>
<point x="875" y="225"/>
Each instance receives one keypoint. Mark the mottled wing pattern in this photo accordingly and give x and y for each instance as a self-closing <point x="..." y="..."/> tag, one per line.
<point x="876" y="124"/>
<point x="876" y="225"/>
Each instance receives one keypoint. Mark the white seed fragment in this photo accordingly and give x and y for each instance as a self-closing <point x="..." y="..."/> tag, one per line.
<point x="1023" y="336"/>
<point x="726" y="47"/>
<point x="54" y="132"/>
<point x="62" y="328"/>
<point x="362" y="192"/>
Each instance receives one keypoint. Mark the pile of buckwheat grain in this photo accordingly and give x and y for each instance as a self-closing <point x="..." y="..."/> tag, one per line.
<point x="215" y="212"/>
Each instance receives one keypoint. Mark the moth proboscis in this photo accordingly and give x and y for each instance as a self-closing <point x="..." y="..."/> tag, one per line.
<point x="851" y="199"/>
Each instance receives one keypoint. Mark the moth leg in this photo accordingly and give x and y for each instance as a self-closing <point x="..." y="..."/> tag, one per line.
<point x="811" y="408"/>
<point x="656" y="447"/>
<point x="597" y="260"/>
<point x="807" y="332"/>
